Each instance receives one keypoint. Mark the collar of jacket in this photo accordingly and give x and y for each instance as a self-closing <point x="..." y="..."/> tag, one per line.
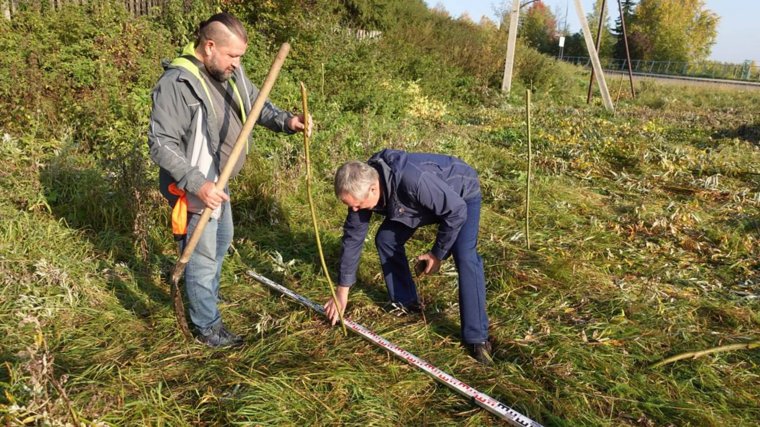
<point x="189" y="63"/>
<point x="389" y="171"/>
<point x="188" y="67"/>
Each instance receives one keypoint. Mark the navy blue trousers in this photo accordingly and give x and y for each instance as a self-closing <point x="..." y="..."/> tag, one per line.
<point x="390" y="240"/>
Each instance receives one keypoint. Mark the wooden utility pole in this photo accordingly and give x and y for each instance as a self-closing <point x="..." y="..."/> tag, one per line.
<point x="506" y="83"/>
<point x="597" y="66"/>
<point x="9" y="8"/>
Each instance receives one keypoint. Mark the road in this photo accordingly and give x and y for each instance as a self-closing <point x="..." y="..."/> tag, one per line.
<point x="695" y="81"/>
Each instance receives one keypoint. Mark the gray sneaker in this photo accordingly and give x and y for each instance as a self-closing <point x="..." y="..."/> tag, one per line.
<point x="219" y="336"/>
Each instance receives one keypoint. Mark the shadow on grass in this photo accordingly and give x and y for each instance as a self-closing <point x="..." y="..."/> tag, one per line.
<point x="745" y="132"/>
<point x="6" y="361"/>
<point x="106" y="212"/>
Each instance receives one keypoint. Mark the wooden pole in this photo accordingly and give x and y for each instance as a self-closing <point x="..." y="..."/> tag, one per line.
<point x="530" y="161"/>
<point x="598" y="46"/>
<point x="606" y="100"/>
<point x="312" y="208"/>
<point x="627" y="52"/>
<point x="506" y="83"/>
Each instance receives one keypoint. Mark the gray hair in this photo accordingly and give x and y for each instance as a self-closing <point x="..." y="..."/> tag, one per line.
<point x="354" y="178"/>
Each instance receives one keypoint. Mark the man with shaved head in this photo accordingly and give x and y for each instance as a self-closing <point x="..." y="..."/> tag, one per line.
<point x="199" y="106"/>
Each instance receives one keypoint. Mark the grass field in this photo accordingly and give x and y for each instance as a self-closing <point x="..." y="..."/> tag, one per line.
<point x="644" y="244"/>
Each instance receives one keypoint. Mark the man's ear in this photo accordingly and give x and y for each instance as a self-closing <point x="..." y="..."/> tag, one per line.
<point x="208" y="46"/>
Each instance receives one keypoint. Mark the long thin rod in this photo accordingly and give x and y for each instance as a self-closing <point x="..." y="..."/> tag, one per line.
<point x="306" y="144"/>
<point x="627" y="52"/>
<point x="530" y="169"/>
<point x="598" y="46"/>
<point x="481" y="399"/>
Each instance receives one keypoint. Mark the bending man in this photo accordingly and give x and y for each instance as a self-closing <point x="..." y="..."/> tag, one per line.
<point x="413" y="190"/>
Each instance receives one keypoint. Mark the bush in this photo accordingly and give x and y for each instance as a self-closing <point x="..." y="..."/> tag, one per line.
<point x="81" y="77"/>
<point x="540" y="71"/>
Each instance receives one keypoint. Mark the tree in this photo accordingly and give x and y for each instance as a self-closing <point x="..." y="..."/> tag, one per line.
<point x="669" y="30"/>
<point x="575" y="45"/>
<point x="538" y="27"/>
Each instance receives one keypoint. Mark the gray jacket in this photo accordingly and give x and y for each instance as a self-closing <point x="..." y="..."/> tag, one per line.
<point x="183" y="139"/>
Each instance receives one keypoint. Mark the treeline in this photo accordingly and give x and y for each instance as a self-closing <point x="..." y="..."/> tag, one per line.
<point x="660" y="30"/>
<point x="92" y="65"/>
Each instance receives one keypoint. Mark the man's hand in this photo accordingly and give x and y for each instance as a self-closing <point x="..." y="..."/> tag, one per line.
<point x="432" y="263"/>
<point x="297" y="124"/>
<point x="331" y="310"/>
<point x="210" y="196"/>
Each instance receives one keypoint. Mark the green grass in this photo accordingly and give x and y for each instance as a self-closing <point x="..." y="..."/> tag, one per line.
<point x="644" y="240"/>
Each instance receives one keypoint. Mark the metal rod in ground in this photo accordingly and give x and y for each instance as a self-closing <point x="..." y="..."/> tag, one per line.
<point x="481" y="399"/>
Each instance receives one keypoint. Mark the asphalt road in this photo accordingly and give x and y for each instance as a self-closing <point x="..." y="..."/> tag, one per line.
<point x="614" y="76"/>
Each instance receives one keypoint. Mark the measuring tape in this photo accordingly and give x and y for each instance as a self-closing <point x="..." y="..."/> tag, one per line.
<point x="481" y="399"/>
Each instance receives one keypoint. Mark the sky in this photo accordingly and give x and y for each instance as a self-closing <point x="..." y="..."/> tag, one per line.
<point x="738" y="34"/>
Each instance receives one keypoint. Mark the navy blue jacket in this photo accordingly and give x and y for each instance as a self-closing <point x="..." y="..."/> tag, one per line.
<point x="417" y="189"/>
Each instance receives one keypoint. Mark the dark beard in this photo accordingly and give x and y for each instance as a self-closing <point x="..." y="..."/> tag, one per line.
<point x="219" y="75"/>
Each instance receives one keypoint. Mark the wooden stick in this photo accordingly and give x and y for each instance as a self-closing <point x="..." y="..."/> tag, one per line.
<point x="179" y="310"/>
<point x="627" y="52"/>
<point x="242" y="139"/>
<point x="530" y="161"/>
<point x="306" y="144"/>
<point x="620" y="89"/>
<point x="696" y="354"/>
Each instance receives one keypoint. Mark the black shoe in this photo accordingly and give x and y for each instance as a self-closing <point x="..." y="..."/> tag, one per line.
<point x="236" y="339"/>
<point x="481" y="352"/>
<point x="220" y="336"/>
